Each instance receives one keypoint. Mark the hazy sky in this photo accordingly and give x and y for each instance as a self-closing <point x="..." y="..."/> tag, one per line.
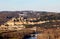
<point x="41" y="5"/>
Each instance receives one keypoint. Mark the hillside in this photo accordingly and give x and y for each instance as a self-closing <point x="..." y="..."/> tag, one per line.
<point x="38" y="15"/>
<point x="25" y="23"/>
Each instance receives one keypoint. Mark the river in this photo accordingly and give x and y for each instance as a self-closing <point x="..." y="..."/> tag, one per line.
<point x="32" y="37"/>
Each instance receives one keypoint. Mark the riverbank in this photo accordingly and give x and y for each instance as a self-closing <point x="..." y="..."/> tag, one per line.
<point x="49" y="34"/>
<point x="16" y="34"/>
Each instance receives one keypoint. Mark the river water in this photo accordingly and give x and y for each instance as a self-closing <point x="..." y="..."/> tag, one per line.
<point x="34" y="37"/>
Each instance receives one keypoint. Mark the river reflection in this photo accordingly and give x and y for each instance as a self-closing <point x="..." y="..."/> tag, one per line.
<point x="32" y="37"/>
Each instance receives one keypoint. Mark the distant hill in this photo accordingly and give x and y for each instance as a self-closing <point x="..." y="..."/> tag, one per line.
<point x="7" y="15"/>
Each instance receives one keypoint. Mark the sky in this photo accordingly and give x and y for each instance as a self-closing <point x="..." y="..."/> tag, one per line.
<point x="35" y="5"/>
